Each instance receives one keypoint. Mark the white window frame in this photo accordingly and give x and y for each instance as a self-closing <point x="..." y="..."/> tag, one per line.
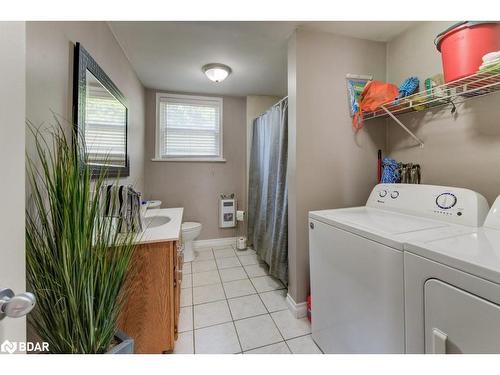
<point x="206" y="99"/>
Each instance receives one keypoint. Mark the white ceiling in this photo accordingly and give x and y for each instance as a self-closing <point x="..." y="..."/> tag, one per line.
<point x="169" y="55"/>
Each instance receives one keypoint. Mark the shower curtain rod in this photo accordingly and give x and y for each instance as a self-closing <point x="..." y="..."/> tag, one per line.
<point x="286" y="97"/>
<point x="275" y="104"/>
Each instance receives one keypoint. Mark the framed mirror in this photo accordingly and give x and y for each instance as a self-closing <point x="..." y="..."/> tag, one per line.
<point x="100" y="115"/>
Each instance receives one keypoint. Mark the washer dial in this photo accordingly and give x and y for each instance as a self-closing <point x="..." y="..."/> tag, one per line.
<point x="382" y="193"/>
<point x="446" y="201"/>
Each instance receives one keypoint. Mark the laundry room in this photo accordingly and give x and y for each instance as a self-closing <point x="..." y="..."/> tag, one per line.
<point x="446" y="261"/>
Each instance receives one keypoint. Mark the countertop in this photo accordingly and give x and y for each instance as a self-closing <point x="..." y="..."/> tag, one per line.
<point x="170" y="231"/>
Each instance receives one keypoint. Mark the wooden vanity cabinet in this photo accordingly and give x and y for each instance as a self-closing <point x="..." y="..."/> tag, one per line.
<point x="150" y="314"/>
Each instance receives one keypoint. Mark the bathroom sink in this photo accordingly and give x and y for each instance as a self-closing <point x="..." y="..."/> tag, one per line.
<point x="155" y="221"/>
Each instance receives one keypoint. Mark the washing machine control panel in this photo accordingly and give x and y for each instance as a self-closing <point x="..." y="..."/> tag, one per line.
<point x="454" y="205"/>
<point x="446" y="201"/>
<point x="394" y="194"/>
<point x="382" y="193"/>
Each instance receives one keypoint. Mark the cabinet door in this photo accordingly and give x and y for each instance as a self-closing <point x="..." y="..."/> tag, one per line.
<point x="148" y="312"/>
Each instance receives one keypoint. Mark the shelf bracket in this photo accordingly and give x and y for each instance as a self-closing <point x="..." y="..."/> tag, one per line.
<point x="420" y="142"/>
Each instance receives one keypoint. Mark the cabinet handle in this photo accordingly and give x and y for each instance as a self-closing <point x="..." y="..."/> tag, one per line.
<point x="438" y="341"/>
<point x="179" y="276"/>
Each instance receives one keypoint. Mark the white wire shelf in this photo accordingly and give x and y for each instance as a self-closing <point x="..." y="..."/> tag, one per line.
<point x="451" y="93"/>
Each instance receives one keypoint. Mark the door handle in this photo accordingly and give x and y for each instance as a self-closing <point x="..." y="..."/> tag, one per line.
<point x="438" y="341"/>
<point x="15" y="305"/>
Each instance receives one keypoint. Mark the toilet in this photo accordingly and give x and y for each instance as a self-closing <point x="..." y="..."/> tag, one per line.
<point x="190" y="231"/>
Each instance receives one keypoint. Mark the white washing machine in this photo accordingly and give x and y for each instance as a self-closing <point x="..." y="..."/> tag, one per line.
<point x="356" y="261"/>
<point x="452" y="291"/>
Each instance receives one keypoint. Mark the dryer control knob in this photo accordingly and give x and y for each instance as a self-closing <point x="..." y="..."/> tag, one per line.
<point x="382" y="193"/>
<point x="446" y="201"/>
<point x="395" y="194"/>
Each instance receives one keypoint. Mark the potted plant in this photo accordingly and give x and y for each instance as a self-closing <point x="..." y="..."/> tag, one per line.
<point x="77" y="262"/>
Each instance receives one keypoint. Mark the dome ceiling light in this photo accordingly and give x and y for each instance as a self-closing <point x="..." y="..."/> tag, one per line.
<point x="216" y="72"/>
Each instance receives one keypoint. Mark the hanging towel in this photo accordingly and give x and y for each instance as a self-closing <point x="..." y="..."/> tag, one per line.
<point x="122" y="204"/>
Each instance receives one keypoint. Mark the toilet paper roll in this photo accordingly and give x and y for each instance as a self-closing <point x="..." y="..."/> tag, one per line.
<point x="240" y="215"/>
<point x="242" y="243"/>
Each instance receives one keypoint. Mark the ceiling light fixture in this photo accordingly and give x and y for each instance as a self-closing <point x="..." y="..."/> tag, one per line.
<point x="216" y="72"/>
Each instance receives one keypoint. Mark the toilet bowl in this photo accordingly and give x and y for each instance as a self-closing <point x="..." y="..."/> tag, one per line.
<point x="190" y="231"/>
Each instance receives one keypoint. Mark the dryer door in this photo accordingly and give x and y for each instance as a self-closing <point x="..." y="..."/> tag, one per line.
<point x="459" y="322"/>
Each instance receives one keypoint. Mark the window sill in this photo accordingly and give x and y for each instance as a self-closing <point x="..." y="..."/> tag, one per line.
<point x="195" y="160"/>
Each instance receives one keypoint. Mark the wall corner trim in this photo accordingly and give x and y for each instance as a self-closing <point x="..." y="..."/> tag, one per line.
<point x="298" y="310"/>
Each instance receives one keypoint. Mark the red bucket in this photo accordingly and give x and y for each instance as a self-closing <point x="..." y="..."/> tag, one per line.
<point x="463" y="45"/>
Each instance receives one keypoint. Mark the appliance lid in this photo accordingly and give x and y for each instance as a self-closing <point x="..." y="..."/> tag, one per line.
<point x="439" y="233"/>
<point x="477" y="253"/>
<point x="387" y="227"/>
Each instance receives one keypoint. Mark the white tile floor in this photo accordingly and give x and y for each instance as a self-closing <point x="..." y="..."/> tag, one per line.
<point x="229" y="304"/>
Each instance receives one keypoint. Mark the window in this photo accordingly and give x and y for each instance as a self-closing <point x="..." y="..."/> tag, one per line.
<point x="188" y="128"/>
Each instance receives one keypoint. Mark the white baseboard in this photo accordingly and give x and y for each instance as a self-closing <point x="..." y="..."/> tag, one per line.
<point x="215" y="242"/>
<point x="299" y="310"/>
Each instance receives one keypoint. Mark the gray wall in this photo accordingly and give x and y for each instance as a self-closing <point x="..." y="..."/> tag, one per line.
<point x="461" y="150"/>
<point x="329" y="165"/>
<point x="12" y="97"/>
<point x="196" y="186"/>
<point x="49" y="79"/>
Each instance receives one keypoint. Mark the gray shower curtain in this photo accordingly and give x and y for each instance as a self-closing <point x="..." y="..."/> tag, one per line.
<point x="268" y="193"/>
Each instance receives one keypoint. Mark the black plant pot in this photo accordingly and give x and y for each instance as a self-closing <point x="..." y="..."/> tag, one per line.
<point x="125" y="344"/>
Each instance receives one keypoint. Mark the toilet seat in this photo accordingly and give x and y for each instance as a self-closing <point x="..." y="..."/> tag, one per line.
<point x="189" y="226"/>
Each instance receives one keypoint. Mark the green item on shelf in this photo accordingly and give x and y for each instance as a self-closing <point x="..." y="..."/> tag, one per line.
<point x="432" y="82"/>
<point x="419" y="103"/>
<point x="428" y="84"/>
<point x="493" y="69"/>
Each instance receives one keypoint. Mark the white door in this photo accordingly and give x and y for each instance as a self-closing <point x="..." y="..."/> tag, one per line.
<point x="12" y="169"/>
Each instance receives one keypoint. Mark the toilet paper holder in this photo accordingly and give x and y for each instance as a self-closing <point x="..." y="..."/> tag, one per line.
<point x="241" y="243"/>
<point x="240" y="215"/>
